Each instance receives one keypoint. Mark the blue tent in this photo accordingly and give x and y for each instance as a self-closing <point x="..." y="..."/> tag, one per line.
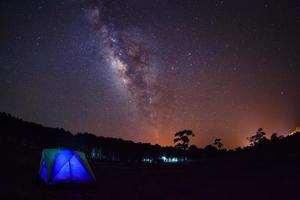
<point x="65" y="166"/>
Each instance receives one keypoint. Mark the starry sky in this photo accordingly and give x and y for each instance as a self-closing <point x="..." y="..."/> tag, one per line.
<point x="143" y="69"/>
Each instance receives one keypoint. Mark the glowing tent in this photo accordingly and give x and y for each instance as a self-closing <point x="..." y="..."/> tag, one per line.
<point x="65" y="166"/>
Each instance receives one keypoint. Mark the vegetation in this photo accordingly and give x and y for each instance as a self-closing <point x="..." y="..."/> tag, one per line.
<point x="182" y="139"/>
<point x="18" y="132"/>
<point x="258" y="138"/>
<point x="218" y="143"/>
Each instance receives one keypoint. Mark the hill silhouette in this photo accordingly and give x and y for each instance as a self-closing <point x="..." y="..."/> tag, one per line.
<point x="15" y="131"/>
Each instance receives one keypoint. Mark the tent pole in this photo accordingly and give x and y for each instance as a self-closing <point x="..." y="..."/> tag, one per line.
<point x="70" y="169"/>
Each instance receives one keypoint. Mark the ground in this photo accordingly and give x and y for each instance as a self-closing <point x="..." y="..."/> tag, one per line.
<point x="207" y="179"/>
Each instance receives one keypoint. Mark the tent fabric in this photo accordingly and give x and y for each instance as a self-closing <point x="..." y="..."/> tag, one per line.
<point x="65" y="166"/>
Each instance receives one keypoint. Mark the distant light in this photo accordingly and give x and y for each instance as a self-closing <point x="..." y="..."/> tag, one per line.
<point x="164" y="159"/>
<point x="295" y="131"/>
<point x="147" y="160"/>
<point x="169" y="160"/>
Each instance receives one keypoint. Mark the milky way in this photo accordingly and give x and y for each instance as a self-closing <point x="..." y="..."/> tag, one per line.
<point x="130" y="60"/>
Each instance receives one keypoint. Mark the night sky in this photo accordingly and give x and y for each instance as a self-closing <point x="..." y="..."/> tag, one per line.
<point x="143" y="69"/>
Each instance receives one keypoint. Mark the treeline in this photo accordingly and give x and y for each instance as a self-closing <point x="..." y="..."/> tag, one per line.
<point x="15" y="131"/>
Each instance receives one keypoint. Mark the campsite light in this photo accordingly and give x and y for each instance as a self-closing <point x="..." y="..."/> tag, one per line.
<point x="169" y="159"/>
<point x="147" y="160"/>
<point x="164" y="158"/>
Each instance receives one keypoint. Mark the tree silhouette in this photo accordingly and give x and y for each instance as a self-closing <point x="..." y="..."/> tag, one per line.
<point x="275" y="137"/>
<point x="258" y="138"/>
<point x="210" y="149"/>
<point x="182" y="139"/>
<point x="218" y="143"/>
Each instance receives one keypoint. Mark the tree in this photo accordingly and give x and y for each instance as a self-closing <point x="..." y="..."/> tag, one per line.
<point x="210" y="148"/>
<point x="193" y="148"/>
<point x="218" y="143"/>
<point x="275" y="137"/>
<point x="258" y="138"/>
<point x="182" y="139"/>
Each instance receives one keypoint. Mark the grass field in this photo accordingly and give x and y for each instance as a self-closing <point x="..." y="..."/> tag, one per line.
<point x="208" y="179"/>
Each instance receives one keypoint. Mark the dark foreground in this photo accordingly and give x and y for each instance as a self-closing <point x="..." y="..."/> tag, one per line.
<point x="208" y="179"/>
